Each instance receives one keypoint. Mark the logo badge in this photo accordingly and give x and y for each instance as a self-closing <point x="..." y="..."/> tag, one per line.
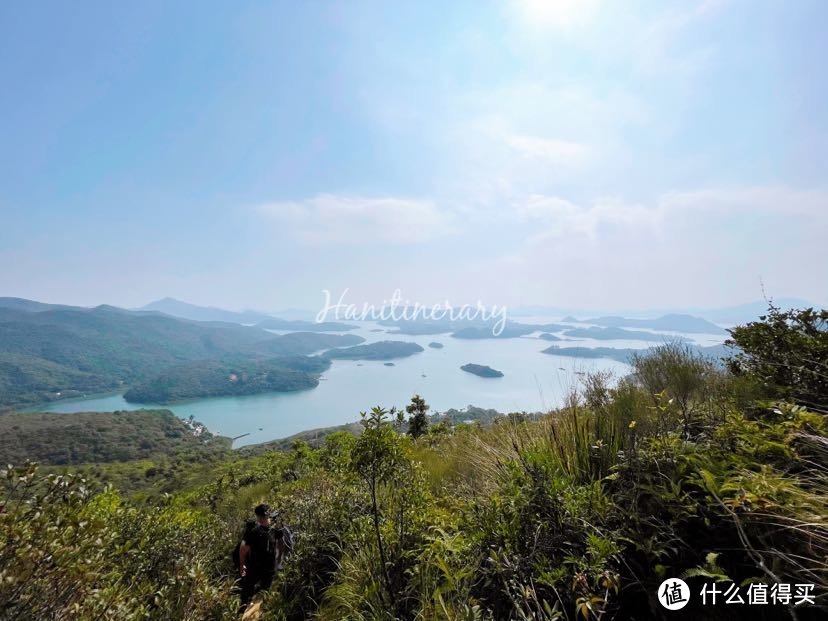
<point x="673" y="594"/>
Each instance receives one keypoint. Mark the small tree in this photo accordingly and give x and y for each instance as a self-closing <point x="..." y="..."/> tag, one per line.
<point x="677" y="372"/>
<point x="787" y="352"/>
<point x="377" y="458"/>
<point x="398" y="416"/>
<point x="418" y="419"/>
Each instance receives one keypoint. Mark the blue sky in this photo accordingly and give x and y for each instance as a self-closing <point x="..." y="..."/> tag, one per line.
<point x="572" y="153"/>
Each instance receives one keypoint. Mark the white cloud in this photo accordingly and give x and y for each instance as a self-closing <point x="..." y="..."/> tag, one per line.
<point x="552" y="151"/>
<point x="567" y="217"/>
<point x="561" y="217"/>
<point x="768" y="199"/>
<point x="354" y="219"/>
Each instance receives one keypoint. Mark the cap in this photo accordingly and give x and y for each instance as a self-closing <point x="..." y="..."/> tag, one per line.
<point x="264" y="510"/>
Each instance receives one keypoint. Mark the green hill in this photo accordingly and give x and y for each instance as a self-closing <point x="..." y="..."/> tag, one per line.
<point x="213" y="378"/>
<point x="72" y="350"/>
<point x="101" y="437"/>
<point x="30" y="379"/>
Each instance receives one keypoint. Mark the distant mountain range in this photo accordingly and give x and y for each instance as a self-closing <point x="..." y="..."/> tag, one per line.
<point x="184" y="310"/>
<point x="751" y="311"/>
<point x="303" y="319"/>
<point x="728" y="315"/>
<point x="29" y="305"/>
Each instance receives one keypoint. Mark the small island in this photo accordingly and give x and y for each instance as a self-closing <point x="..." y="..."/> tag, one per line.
<point x="382" y="350"/>
<point x="435" y="345"/>
<point x="481" y="370"/>
<point x="509" y="331"/>
<point x="546" y="336"/>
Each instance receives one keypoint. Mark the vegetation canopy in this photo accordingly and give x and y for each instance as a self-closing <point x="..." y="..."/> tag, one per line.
<point x="685" y="468"/>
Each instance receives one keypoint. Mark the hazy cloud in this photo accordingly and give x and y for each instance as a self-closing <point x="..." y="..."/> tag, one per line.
<point x="555" y="152"/>
<point x="560" y="15"/>
<point x="722" y="240"/>
<point x="354" y="219"/>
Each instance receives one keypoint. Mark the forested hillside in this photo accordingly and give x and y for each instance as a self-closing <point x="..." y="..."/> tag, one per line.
<point x="66" y="351"/>
<point x="683" y="469"/>
<point x="101" y="437"/>
<point x="213" y="378"/>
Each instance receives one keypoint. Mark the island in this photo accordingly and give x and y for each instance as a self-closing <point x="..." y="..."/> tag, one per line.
<point x="509" y="331"/>
<point x="714" y="353"/>
<point x="388" y="364"/>
<point x="416" y="327"/>
<point x="611" y="353"/>
<point x="674" y="322"/>
<point x="546" y="336"/>
<point x="613" y="333"/>
<point x="297" y="325"/>
<point x="435" y="345"/>
<point x="381" y="350"/>
<point x="481" y="370"/>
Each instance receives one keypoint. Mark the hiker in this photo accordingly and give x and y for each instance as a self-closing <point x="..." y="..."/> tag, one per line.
<point x="260" y="553"/>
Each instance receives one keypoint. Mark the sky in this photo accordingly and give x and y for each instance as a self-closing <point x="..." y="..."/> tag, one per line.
<point x="574" y="153"/>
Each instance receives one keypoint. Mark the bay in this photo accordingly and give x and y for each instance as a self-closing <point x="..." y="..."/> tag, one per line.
<point x="532" y="382"/>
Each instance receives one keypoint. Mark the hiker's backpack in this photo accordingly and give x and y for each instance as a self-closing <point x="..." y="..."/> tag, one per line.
<point x="287" y="539"/>
<point x="249" y="525"/>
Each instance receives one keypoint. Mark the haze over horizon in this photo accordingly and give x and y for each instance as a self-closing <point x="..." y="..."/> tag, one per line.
<point x="573" y="153"/>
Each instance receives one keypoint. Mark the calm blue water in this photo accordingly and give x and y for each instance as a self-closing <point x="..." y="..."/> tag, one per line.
<point x="532" y="382"/>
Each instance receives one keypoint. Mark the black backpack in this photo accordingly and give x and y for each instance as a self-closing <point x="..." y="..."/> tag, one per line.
<point x="286" y="537"/>
<point x="249" y="525"/>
